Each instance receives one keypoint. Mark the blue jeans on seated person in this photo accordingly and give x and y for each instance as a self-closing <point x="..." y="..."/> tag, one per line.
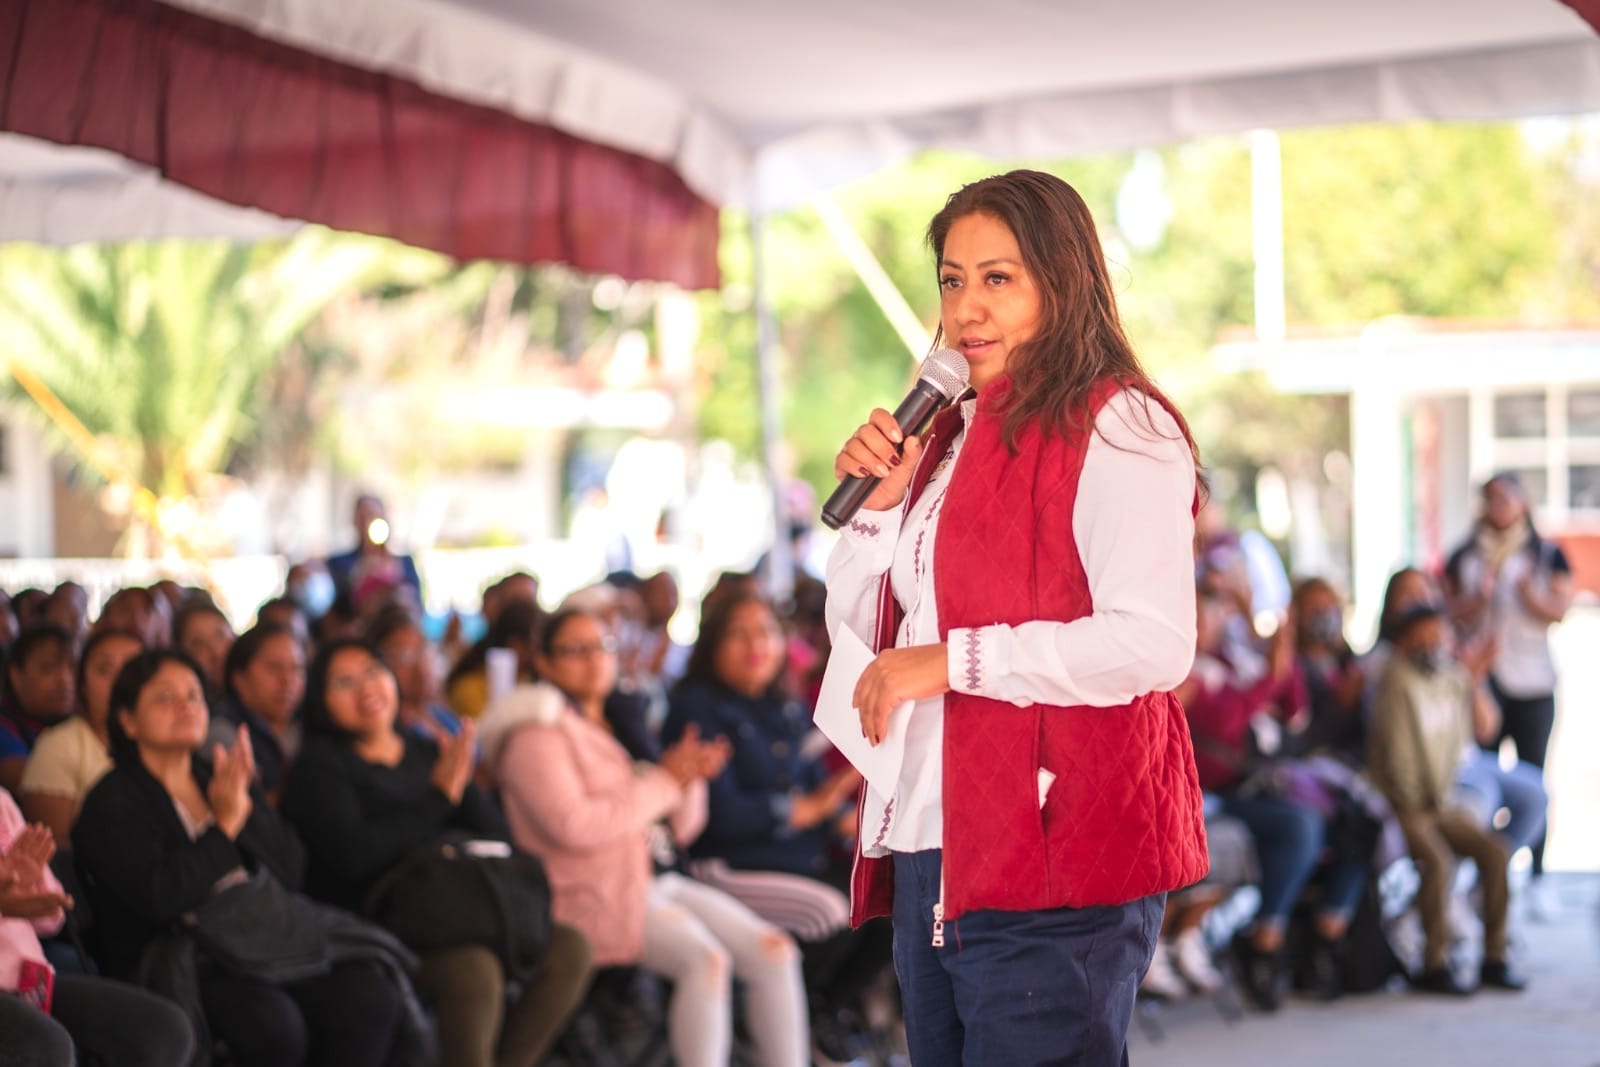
<point x="1017" y="988"/>
<point x="1483" y="786"/>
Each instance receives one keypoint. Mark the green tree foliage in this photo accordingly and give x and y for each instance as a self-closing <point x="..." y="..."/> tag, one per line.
<point x="159" y="349"/>
<point x="1434" y="220"/>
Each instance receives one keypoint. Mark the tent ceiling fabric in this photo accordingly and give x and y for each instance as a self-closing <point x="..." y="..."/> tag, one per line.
<point x="756" y="103"/>
<point x="764" y="104"/>
<point x="253" y="121"/>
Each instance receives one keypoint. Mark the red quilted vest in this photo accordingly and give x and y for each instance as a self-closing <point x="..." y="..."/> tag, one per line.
<point x="1123" y="817"/>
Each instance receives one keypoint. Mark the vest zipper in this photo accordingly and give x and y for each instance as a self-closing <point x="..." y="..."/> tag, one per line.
<point x="938" y="910"/>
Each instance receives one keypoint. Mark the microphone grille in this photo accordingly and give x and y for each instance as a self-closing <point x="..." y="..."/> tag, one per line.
<point x="947" y="371"/>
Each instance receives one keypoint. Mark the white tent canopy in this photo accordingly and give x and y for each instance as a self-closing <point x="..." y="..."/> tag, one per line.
<point x="762" y="104"/>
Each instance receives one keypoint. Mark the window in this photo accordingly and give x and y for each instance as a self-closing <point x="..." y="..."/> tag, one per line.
<point x="1519" y="415"/>
<point x="1583" y="481"/>
<point x="1583" y="413"/>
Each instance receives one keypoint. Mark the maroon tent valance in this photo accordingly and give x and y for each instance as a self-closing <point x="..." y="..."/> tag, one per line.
<point x="1589" y="9"/>
<point x="257" y="123"/>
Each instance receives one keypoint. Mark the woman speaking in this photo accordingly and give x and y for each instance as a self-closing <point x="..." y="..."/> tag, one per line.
<point x="1026" y="575"/>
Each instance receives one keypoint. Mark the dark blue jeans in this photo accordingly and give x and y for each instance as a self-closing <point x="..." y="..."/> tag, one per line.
<point x="1289" y="841"/>
<point x="1018" y="989"/>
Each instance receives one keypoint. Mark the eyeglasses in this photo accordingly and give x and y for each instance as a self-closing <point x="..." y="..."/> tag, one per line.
<point x="606" y="647"/>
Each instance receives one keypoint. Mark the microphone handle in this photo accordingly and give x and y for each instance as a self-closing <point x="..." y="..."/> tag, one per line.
<point x="914" y="410"/>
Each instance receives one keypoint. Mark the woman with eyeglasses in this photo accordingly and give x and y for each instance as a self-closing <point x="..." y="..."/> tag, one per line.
<point x="588" y="789"/>
<point x="365" y="795"/>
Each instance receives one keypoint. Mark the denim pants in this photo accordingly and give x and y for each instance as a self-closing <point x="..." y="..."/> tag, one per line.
<point x="1018" y="989"/>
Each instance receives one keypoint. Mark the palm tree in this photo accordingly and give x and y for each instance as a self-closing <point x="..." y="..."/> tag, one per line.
<point x="147" y="358"/>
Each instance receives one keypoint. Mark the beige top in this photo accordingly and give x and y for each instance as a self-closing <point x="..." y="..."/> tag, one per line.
<point x="67" y="760"/>
<point x="1421" y="727"/>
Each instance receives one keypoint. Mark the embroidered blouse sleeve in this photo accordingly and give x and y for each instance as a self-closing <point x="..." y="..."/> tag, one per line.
<point x="860" y="558"/>
<point x="1135" y="535"/>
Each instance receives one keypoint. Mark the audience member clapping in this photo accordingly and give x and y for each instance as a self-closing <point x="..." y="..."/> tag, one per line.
<point x="264" y="679"/>
<point x="576" y="796"/>
<point x="365" y="796"/>
<point x="166" y="832"/>
<point x="775" y="810"/>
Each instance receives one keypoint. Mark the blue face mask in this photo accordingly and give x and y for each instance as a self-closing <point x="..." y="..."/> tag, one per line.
<point x="315" y="595"/>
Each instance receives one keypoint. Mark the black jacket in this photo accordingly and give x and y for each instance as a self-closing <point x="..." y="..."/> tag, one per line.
<point x="750" y="800"/>
<point x="360" y="819"/>
<point x="142" y="873"/>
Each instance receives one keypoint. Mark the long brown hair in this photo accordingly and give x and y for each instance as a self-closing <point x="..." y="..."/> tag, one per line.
<point x="1080" y="341"/>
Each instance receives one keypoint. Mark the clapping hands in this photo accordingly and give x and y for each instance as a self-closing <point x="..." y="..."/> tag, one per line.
<point x="692" y="760"/>
<point x="453" y="769"/>
<point x="233" y="771"/>
<point x="25" y="890"/>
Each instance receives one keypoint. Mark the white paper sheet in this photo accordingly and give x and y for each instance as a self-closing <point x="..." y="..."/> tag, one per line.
<point x="840" y="722"/>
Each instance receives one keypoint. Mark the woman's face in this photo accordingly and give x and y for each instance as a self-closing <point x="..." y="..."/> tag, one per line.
<point x="100" y="670"/>
<point x="1503" y="506"/>
<point x="44" y="682"/>
<point x="583" y="659"/>
<point x="360" y="694"/>
<point x="273" y="682"/>
<point x="989" y="304"/>
<point x="749" y="657"/>
<point x="410" y="657"/>
<point x="207" y="638"/>
<point x="170" y="714"/>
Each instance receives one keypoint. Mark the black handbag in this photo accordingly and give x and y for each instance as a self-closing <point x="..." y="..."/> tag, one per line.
<point x="259" y="929"/>
<point x="459" y="891"/>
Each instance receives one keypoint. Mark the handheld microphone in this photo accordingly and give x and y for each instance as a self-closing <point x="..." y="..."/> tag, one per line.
<point x="943" y="377"/>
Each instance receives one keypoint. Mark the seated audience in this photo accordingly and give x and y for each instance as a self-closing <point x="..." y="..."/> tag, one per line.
<point x="38" y="693"/>
<point x="45" y="1016"/>
<point x="1334" y="679"/>
<point x="399" y="639"/>
<point x="1238" y="728"/>
<point x="774" y="810"/>
<point x="165" y="831"/>
<point x="1483" y="785"/>
<point x="575" y="796"/>
<point x="138" y="610"/>
<point x="282" y="611"/>
<point x="264" y="678"/>
<point x="202" y="632"/>
<point x="68" y="608"/>
<point x="1427" y="713"/>
<point x="517" y="629"/>
<point x="1183" y="960"/>
<point x="71" y="756"/>
<point x="365" y="796"/>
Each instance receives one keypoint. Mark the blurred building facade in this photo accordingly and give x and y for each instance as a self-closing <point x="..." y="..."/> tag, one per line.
<point x="1435" y="409"/>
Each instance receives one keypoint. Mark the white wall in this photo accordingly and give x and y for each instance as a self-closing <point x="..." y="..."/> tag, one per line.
<point x="27" y="510"/>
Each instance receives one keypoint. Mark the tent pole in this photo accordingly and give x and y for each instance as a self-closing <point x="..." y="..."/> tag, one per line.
<point x="780" y="563"/>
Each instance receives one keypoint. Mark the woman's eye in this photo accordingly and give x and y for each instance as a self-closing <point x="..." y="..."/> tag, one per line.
<point x="949" y="283"/>
<point x="996" y="278"/>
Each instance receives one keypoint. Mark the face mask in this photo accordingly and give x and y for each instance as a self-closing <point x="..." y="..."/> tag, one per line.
<point x="315" y="595"/>
<point x="1325" y="627"/>
<point x="1430" y="660"/>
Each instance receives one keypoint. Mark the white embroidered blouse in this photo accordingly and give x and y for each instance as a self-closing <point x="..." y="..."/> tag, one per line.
<point x="1135" y="534"/>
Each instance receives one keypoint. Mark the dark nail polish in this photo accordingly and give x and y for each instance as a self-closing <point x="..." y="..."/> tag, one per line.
<point x="863" y="472"/>
<point x="894" y="460"/>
